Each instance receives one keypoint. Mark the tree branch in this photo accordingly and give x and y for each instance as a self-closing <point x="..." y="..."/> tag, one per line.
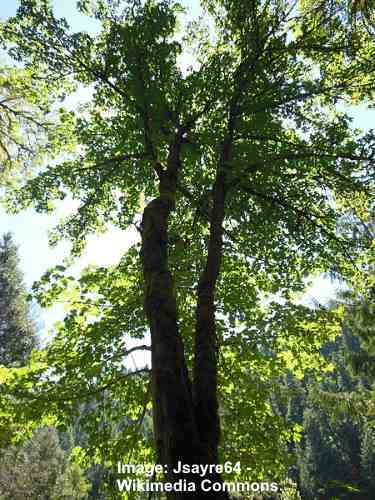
<point x="305" y="214"/>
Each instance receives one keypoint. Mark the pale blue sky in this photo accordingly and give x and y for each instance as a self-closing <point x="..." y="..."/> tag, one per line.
<point x="31" y="229"/>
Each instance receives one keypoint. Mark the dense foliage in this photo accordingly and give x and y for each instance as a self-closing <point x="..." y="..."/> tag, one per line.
<point x="40" y="469"/>
<point x="245" y="174"/>
<point x="30" y="130"/>
<point x="335" y="457"/>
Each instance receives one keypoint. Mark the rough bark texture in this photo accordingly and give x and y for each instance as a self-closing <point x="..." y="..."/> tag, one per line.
<point x="205" y="347"/>
<point x="175" y="420"/>
<point x="175" y="432"/>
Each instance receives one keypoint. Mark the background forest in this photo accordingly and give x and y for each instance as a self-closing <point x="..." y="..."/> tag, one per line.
<point x="226" y="144"/>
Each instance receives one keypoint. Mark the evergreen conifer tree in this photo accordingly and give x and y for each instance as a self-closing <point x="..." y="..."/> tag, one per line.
<point x="40" y="469"/>
<point x="17" y="330"/>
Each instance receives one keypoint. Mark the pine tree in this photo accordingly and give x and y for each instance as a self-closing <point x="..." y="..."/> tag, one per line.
<point x="336" y="458"/>
<point x="17" y="330"/>
<point x="368" y="457"/>
<point x="40" y="469"/>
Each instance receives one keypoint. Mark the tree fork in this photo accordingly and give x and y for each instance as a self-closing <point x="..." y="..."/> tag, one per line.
<point x="175" y="425"/>
<point x="176" y="437"/>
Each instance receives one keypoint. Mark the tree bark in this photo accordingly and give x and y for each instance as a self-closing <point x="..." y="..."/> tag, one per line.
<point x="174" y="425"/>
<point x="175" y="421"/>
<point x="205" y="346"/>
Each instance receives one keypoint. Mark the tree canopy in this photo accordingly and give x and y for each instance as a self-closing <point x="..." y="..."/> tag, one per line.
<point x="244" y="179"/>
<point x="30" y="130"/>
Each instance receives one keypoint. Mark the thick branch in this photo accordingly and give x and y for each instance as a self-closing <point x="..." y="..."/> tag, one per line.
<point x="205" y="348"/>
<point x="308" y="215"/>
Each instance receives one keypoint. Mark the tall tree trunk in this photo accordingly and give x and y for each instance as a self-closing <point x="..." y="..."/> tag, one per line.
<point x="173" y="415"/>
<point x="175" y="421"/>
<point x="205" y="347"/>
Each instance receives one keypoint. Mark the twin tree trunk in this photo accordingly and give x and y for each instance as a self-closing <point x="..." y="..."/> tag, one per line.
<point x="186" y="417"/>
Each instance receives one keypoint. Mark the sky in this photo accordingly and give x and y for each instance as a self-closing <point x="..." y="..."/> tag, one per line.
<point x="31" y="229"/>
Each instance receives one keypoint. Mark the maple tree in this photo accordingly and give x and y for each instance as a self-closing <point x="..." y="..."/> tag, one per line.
<point x="237" y="173"/>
